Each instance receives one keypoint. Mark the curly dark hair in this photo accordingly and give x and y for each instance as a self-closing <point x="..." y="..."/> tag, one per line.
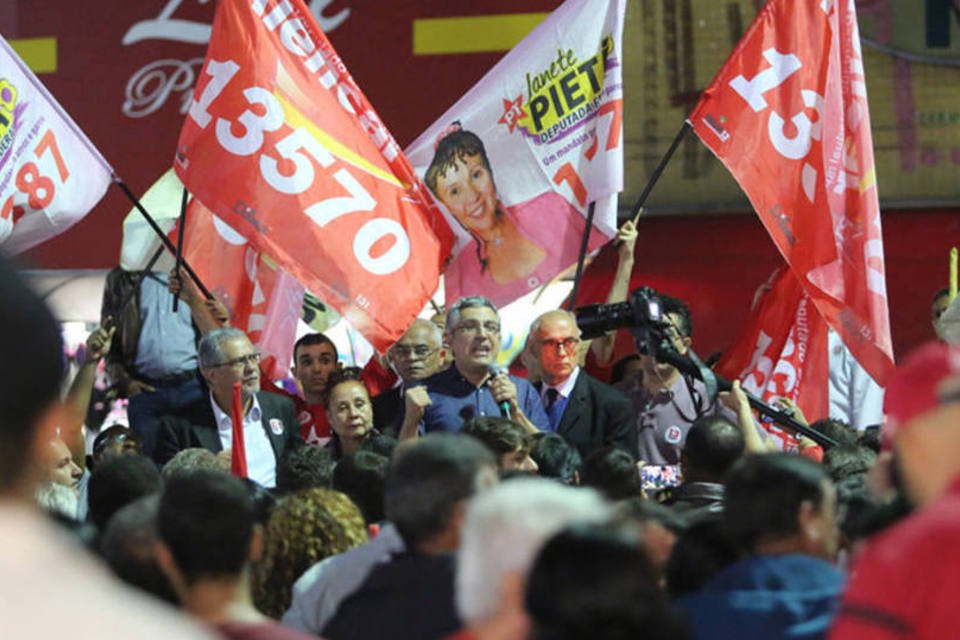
<point x="305" y="528"/>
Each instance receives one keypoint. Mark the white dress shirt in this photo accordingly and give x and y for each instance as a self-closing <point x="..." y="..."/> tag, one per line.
<point x="261" y="462"/>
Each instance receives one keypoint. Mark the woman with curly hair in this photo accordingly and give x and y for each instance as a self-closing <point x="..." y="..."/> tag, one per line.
<point x="304" y="528"/>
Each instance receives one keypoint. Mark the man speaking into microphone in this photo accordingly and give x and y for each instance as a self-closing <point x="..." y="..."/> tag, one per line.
<point x="475" y="386"/>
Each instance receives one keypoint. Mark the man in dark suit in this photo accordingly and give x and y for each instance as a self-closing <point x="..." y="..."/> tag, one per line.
<point x="416" y="356"/>
<point x="269" y="422"/>
<point x="586" y="412"/>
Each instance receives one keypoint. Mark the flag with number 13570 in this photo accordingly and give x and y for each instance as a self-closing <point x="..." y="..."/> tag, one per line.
<point x="281" y="143"/>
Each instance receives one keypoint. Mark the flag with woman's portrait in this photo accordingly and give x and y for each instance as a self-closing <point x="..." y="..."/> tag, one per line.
<point x="517" y="161"/>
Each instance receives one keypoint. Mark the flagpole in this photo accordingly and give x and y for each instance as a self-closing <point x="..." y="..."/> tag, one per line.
<point x="179" y="257"/>
<point x="638" y="207"/>
<point x="117" y="180"/>
<point x="583" y="255"/>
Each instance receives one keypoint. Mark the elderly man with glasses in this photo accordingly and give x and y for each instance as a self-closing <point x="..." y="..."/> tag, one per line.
<point x="269" y="424"/>
<point x="586" y="412"/>
<point x="473" y="386"/>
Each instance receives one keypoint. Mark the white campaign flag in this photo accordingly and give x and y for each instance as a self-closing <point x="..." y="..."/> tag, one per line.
<point x="51" y="176"/>
<point x="515" y="163"/>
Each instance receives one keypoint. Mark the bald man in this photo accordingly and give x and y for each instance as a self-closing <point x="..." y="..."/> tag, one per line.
<point x="586" y="412"/>
<point x="416" y="356"/>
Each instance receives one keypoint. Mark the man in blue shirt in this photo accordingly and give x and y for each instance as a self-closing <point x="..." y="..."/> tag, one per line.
<point x="471" y="387"/>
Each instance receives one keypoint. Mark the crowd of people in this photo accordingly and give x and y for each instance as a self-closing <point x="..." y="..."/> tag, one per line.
<point x="433" y="494"/>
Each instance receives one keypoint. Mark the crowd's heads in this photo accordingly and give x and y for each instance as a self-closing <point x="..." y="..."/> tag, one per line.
<point x="505" y="439"/>
<point x="555" y="340"/>
<point x="626" y="372"/>
<point x="503" y="531"/>
<point x="848" y="460"/>
<point x="922" y="405"/>
<point x="193" y="459"/>
<point x="556" y="458"/>
<point x="593" y="581"/>
<point x="304" y="528"/>
<point x="315" y="359"/>
<point x="361" y="477"/>
<point x="712" y="446"/>
<point x="781" y="501"/>
<point x="59" y="466"/>
<point x="206" y="524"/>
<point x="118" y="482"/>
<point x="473" y="333"/>
<point x="129" y="544"/>
<point x="418" y="354"/>
<point x="611" y="471"/>
<point x="939" y="304"/>
<point x="32" y="349"/>
<point x="428" y="482"/>
<point x="841" y="432"/>
<point x="700" y="552"/>
<point x="348" y="405"/>
<point x="116" y="440"/>
<point x="305" y="468"/>
<point x="227" y="356"/>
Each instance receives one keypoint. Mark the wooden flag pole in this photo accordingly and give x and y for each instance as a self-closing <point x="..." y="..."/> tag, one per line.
<point x="583" y="255"/>
<point x="655" y="177"/>
<point x="179" y="260"/>
<point x="163" y="237"/>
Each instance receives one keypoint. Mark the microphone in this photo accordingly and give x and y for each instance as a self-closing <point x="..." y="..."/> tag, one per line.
<point x="496" y="370"/>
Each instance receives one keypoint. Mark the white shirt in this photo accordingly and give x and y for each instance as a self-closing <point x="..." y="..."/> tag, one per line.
<point x="854" y="396"/>
<point x="565" y="388"/>
<point x="261" y="461"/>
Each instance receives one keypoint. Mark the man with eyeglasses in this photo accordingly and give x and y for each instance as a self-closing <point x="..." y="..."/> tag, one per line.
<point x="473" y="386"/>
<point x="586" y="412"/>
<point x="416" y="356"/>
<point x="269" y="424"/>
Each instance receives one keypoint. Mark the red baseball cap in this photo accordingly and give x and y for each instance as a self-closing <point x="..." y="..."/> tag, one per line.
<point x="915" y="386"/>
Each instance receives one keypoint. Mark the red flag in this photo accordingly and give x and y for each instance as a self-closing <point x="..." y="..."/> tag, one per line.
<point x="263" y="300"/>
<point x="782" y="352"/>
<point x="238" y="453"/>
<point x="284" y="147"/>
<point x="787" y="114"/>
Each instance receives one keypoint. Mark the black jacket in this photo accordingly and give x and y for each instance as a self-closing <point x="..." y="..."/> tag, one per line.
<point x="197" y="427"/>
<point x="597" y="415"/>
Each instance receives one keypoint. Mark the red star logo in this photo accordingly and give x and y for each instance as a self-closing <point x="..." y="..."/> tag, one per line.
<point x="512" y="112"/>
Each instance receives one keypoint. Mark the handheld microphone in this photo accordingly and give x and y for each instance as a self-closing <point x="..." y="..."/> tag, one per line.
<point x="496" y="370"/>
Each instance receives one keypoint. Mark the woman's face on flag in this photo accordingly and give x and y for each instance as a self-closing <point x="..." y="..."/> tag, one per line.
<point x="468" y="191"/>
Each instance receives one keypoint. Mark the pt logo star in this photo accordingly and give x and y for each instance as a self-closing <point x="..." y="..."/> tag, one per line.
<point x="512" y="112"/>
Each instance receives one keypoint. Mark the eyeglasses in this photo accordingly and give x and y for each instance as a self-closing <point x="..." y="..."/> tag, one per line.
<point x="474" y="328"/>
<point x="419" y="351"/>
<point x="568" y="344"/>
<point x="252" y="359"/>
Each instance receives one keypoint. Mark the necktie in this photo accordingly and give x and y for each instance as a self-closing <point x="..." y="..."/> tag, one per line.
<point x="555" y="406"/>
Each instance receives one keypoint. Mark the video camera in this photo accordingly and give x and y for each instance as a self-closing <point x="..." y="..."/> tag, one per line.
<point x="642" y="314"/>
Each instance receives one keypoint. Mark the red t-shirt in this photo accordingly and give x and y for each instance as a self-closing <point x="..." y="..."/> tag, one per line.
<point x="906" y="585"/>
<point x="314" y="426"/>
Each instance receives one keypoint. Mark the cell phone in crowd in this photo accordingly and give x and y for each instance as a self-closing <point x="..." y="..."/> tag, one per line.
<point x="656" y="477"/>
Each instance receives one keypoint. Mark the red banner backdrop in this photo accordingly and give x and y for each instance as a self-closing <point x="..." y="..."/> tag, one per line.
<point x="787" y="114"/>
<point x="284" y="147"/>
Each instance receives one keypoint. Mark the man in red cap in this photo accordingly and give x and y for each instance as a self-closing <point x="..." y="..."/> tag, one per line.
<point x="906" y="585"/>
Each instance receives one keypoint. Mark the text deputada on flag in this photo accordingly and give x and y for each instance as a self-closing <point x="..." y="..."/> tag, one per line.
<point x="787" y="114"/>
<point x="516" y="161"/>
<point x="263" y="300"/>
<point x="51" y="176"/>
<point x="782" y="352"/>
<point x="284" y="147"/>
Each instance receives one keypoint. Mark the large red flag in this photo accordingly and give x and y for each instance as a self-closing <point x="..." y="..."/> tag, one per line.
<point x="284" y="147"/>
<point x="787" y="114"/>
<point x="782" y="352"/>
<point x="263" y="300"/>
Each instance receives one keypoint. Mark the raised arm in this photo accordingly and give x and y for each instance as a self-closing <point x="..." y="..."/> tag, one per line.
<point x="602" y="347"/>
<point x="78" y="396"/>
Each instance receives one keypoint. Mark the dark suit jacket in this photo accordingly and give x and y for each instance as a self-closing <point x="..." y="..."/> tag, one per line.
<point x="388" y="411"/>
<point x="197" y="427"/>
<point x="598" y="415"/>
